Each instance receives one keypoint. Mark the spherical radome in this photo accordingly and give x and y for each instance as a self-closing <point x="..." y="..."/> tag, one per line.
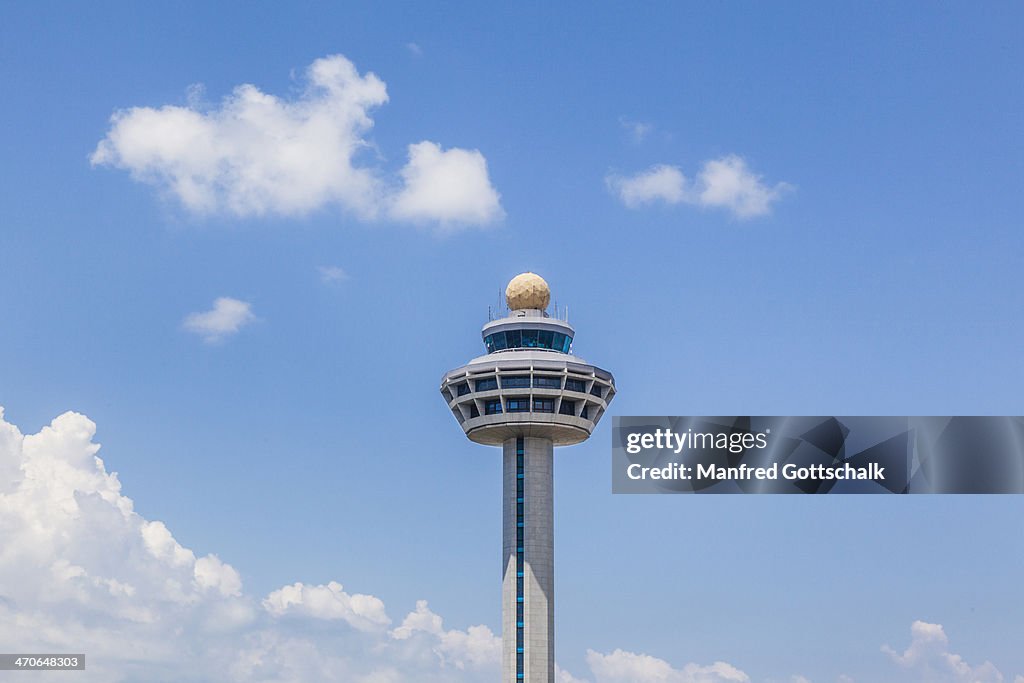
<point x="527" y="290"/>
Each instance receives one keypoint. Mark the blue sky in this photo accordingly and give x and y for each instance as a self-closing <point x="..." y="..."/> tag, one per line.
<point x="772" y="209"/>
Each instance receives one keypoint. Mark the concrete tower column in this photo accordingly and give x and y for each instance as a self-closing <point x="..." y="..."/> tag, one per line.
<point x="528" y="460"/>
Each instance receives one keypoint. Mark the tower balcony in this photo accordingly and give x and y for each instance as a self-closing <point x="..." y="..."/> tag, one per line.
<point x="530" y="394"/>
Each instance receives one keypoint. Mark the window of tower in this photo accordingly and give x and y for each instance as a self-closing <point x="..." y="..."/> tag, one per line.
<point x="519" y="405"/>
<point x="543" y="405"/>
<point x="463" y="389"/>
<point x="488" y="384"/>
<point x="571" y="385"/>
<point x="567" y="408"/>
<point x="492" y="407"/>
<point x="515" y="382"/>
<point x="528" y="339"/>
<point x="547" y="382"/>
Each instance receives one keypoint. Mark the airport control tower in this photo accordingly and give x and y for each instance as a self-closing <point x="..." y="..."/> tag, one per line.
<point x="528" y="394"/>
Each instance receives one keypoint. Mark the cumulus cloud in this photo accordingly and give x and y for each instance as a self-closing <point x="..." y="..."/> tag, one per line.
<point x="450" y="187"/>
<point x="628" y="667"/>
<point x="476" y="646"/>
<point x="80" y="570"/>
<point x="226" y="318"/>
<point x="258" y="154"/>
<point x="928" y="657"/>
<point x="658" y="183"/>
<point x="364" y="612"/>
<point x="725" y="183"/>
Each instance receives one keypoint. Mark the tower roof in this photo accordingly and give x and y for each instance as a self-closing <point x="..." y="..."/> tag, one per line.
<point x="527" y="291"/>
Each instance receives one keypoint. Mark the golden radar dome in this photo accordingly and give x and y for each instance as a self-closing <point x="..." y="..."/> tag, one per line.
<point x="527" y="290"/>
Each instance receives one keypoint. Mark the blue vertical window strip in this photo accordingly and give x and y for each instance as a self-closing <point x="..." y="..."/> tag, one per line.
<point x="520" y="598"/>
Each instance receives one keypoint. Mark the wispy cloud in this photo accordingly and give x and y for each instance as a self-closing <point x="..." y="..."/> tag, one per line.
<point x="725" y="183"/>
<point x="330" y="274"/>
<point x="257" y="154"/>
<point x="225" y="319"/>
<point x="414" y="49"/>
<point x="637" y="130"/>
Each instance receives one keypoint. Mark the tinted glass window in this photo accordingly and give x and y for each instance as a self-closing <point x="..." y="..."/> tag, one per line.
<point x="566" y="344"/>
<point x="557" y="341"/>
<point x="488" y="384"/>
<point x="547" y="382"/>
<point x="499" y="341"/>
<point x="515" y="382"/>
<point x="518" y="405"/>
<point x="463" y="389"/>
<point x="544" y="339"/>
<point x="567" y="408"/>
<point x="514" y="339"/>
<point x="492" y="407"/>
<point x="596" y="390"/>
<point x="570" y="385"/>
<point x="530" y="339"/>
<point x="544" y="405"/>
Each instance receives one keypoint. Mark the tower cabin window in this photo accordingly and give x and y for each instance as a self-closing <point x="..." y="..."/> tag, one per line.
<point x="572" y="385"/>
<point x="489" y="384"/>
<point x="519" y="405"/>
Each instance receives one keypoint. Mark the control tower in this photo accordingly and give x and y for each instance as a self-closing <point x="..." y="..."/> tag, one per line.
<point x="528" y="394"/>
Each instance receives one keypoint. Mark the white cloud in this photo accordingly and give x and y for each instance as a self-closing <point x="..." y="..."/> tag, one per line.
<point x="451" y="187"/>
<point x="210" y="573"/>
<point x="929" y="657"/>
<point x="226" y="318"/>
<point x="330" y="274"/>
<point x="258" y="154"/>
<point x="658" y="183"/>
<point x="414" y="49"/>
<point x="725" y="183"/>
<point x="475" y="646"/>
<point x="80" y="570"/>
<point x="364" y="612"/>
<point x="563" y="676"/>
<point x="628" y="667"/>
<point x="638" y="130"/>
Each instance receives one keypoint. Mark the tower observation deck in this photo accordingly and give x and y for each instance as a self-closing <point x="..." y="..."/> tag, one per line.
<point x="528" y="394"/>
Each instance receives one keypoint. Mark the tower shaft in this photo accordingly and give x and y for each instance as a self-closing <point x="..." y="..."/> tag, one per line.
<point x="528" y="586"/>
